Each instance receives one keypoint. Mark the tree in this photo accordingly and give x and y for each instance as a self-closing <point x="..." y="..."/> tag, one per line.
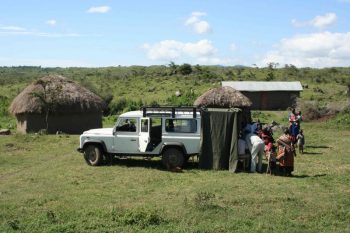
<point x="173" y="67"/>
<point x="49" y="96"/>
<point x="185" y="69"/>
<point x="271" y="68"/>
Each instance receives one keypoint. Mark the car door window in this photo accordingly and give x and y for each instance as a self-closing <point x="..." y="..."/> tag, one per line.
<point x="144" y="125"/>
<point x="127" y="125"/>
<point x="181" y="125"/>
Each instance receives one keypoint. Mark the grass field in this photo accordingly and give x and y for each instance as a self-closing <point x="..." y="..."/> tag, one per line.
<point x="45" y="186"/>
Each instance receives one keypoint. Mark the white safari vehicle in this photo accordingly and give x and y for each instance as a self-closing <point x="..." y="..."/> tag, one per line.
<point x="172" y="133"/>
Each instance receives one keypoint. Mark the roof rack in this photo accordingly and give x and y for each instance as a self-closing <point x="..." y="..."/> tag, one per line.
<point x="168" y="111"/>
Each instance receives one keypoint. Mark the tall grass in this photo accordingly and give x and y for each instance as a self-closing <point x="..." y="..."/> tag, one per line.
<point x="46" y="186"/>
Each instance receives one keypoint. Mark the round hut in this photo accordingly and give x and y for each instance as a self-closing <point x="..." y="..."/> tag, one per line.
<point x="55" y="103"/>
<point x="224" y="111"/>
<point x="226" y="97"/>
<point x="223" y="97"/>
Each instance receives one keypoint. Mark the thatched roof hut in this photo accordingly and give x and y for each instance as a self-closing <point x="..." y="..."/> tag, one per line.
<point x="71" y="97"/>
<point x="224" y="112"/>
<point x="74" y="108"/>
<point x="223" y="97"/>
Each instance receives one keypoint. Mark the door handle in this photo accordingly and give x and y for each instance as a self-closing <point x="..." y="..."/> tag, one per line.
<point x="133" y="140"/>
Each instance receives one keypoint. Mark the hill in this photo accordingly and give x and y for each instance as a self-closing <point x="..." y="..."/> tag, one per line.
<point x="128" y="88"/>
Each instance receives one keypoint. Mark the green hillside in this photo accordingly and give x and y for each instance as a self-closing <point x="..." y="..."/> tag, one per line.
<point x="128" y="88"/>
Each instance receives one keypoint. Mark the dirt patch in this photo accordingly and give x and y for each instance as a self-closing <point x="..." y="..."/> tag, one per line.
<point x="324" y="118"/>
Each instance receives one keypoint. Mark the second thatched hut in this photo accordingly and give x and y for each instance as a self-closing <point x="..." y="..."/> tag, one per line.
<point x="55" y="103"/>
<point x="224" y="112"/>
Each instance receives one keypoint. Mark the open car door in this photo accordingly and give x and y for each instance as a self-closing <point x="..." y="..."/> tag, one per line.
<point x="144" y="135"/>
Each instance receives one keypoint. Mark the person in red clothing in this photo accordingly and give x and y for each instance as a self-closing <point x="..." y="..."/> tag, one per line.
<point x="292" y="117"/>
<point x="286" y="153"/>
<point x="270" y="149"/>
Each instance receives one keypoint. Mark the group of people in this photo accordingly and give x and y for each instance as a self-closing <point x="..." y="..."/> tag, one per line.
<point x="259" y="141"/>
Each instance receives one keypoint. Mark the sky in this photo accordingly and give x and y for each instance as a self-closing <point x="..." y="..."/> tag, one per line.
<point x="100" y="33"/>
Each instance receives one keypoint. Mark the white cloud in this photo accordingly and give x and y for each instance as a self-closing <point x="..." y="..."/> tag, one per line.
<point x="323" y="49"/>
<point x="200" y="52"/>
<point x="214" y="61"/>
<point x="320" y="21"/>
<point x="19" y="31"/>
<point x="98" y="9"/>
<point x="12" y="28"/>
<point x="51" y="22"/>
<point x="172" y="49"/>
<point x="196" y="24"/>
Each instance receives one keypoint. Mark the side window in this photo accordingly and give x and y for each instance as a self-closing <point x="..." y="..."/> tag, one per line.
<point x="127" y="125"/>
<point x="144" y="125"/>
<point x="181" y="125"/>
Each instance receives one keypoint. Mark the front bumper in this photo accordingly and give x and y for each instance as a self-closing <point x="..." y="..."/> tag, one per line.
<point x="80" y="150"/>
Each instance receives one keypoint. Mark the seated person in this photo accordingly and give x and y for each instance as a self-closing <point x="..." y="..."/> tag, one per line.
<point x="170" y="126"/>
<point x="132" y="127"/>
<point x="127" y="126"/>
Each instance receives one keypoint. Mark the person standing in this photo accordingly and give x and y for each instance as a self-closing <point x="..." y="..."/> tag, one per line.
<point x="292" y="116"/>
<point x="294" y="131"/>
<point x="256" y="147"/>
<point x="286" y="153"/>
<point x="301" y="141"/>
<point x="299" y="117"/>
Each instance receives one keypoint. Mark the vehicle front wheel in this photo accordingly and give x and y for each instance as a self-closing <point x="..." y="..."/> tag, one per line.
<point x="172" y="158"/>
<point x="93" y="155"/>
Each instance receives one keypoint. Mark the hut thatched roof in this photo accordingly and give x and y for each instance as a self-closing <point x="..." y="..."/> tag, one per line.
<point x="69" y="96"/>
<point x="222" y="97"/>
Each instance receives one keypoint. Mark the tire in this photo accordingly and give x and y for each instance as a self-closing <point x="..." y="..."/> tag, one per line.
<point x="172" y="158"/>
<point x="93" y="155"/>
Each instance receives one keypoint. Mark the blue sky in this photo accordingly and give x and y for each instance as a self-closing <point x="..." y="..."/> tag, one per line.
<point x="97" y="33"/>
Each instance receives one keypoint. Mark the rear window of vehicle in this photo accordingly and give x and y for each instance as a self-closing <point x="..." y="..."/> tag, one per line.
<point x="181" y="125"/>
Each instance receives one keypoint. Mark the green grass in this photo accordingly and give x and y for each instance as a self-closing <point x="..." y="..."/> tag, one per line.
<point x="46" y="186"/>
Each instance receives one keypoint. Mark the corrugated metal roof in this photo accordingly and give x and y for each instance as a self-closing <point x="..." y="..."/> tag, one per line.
<point x="263" y="86"/>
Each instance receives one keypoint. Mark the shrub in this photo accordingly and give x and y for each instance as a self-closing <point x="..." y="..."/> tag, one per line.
<point x="123" y="105"/>
<point x="185" y="69"/>
<point x="270" y="76"/>
<point x="204" y="199"/>
<point x="310" y="110"/>
<point x="118" y="106"/>
<point x="142" y="218"/>
<point x="4" y="105"/>
<point x="187" y="99"/>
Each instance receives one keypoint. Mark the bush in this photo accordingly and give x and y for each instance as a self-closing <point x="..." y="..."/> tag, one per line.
<point x="204" y="200"/>
<point x="123" y="105"/>
<point x="118" y="106"/>
<point x="142" y="218"/>
<point x="310" y="110"/>
<point x="187" y="99"/>
<point x="4" y="105"/>
<point x="185" y="69"/>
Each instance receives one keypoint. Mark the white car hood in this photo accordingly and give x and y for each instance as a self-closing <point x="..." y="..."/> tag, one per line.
<point x="102" y="131"/>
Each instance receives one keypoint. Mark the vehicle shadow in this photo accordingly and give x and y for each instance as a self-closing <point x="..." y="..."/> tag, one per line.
<point x="307" y="176"/>
<point x="311" y="153"/>
<point x="147" y="163"/>
<point x="318" y="147"/>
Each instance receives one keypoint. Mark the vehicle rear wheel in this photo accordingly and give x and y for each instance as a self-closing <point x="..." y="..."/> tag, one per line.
<point x="172" y="158"/>
<point x="93" y="155"/>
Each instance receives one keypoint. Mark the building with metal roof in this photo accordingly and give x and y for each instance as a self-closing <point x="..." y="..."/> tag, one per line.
<point x="268" y="95"/>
